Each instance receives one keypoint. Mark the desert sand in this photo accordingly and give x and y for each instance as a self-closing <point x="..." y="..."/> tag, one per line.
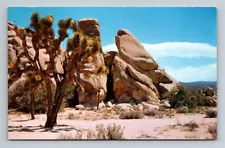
<point x="21" y="127"/>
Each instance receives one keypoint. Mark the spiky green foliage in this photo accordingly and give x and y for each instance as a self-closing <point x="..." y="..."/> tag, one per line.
<point x="35" y="20"/>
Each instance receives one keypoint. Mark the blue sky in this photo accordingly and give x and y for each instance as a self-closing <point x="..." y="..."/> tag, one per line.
<point x="181" y="39"/>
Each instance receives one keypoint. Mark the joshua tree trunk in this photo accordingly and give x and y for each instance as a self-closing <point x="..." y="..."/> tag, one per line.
<point x="54" y="109"/>
<point x="32" y="107"/>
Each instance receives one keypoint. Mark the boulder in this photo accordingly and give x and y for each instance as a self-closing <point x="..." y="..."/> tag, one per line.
<point x="10" y="26"/>
<point x="79" y="107"/>
<point x="11" y="33"/>
<point x="208" y="91"/>
<point x="89" y="27"/>
<point x="136" y="75"/>
<point x="124" y="106"/>
<point x="149" y="106"/>
<point x="140" y="107"/>
<point x="101" y="105"/>
<point x="109" y="104"/>
<point x="165" y="104"/>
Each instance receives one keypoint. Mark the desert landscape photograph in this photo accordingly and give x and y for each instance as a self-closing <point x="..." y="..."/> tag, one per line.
<point x="112" y="73"/>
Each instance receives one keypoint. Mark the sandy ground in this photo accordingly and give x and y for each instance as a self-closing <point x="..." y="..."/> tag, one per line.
<point x="20" y="127"/>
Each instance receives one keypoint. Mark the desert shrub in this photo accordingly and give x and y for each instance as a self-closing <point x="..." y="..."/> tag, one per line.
<point x="70" y="96"/>
<point x="183" y="109"/>
<point x="151" y="112"/>
<point x="68" y="136"/>
<point x="191" y="125"/>
<point x="205" y="101"/>
<point x="111" y="132"/>
<point x="188" y="97"/>
<point x="71" y="116"/>
<point x="130" y="115"/>
<point x="184" y="97"/>
<point x="19" y="97"/>
<point x="211" y="114"/>
<point x="212" y="129"/>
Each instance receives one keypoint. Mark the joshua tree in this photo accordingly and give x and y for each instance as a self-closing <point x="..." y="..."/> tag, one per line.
<point x="80" y="50"/>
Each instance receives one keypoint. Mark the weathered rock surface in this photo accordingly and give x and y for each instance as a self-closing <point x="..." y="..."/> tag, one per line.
<point x="94" y="86"/>
<point x="136" y="75"/>
<point x="208" y="91"/>
<point x="79" y="107"/>
<point x="89" y="27"/>
<point x="124" y="106"/>
<point x="165" y="103"/>
<point x="15" y="48"/>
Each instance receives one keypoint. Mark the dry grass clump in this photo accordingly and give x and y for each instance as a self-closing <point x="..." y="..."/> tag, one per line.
<point x="130" y="115"/>
<point x="67" y="136"/>
<point x="183" y="110"/>
<point x="191" y="125"/>
<point x="72" y="116"/>
<point x="111" y="132"/>
<point x="116" y="109"/>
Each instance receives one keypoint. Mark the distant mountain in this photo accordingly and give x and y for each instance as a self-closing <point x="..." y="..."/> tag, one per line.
<point x="200" y="84"/>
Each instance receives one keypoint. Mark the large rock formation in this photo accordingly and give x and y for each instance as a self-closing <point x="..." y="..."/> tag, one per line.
<point x="92" y="84"/>
<point x="15" y="48"/>
<point x="136" y="75"/>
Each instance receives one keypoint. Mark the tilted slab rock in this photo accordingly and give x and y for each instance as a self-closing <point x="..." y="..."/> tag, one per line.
<point x="132" y="85"/>
<point x="136" y="75"/>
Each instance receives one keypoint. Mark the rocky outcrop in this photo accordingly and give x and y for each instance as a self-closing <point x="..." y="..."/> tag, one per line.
<point x="94" y="86"/>
<point x="133" y="73"/>
<point x="136" y="75"/>
<point x="89" y="27"/>
<point x="15" y="49"/>
<point x="208" y="91"/>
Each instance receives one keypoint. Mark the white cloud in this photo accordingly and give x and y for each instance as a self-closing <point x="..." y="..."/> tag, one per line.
<point x="190" y="74"/>
<point x="176" y="49"/>
<point x="182" y="50"/>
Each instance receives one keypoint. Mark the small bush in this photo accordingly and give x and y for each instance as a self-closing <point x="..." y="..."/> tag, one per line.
<point x="191" y="125"/>
<point x="130" y="115"/>
<point x="213" y="130"/>
<point x="183" y="110"/>
<point x="67" y="136"/>
<point x="112" y="132"/>
<point x="184" y="97"/>
<point x="19" y="97"/>
<point x="151" y="112"/>
<point x="211" y="114"/>
<point x="71" y="116"/>
<point x="189" y="97"/>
